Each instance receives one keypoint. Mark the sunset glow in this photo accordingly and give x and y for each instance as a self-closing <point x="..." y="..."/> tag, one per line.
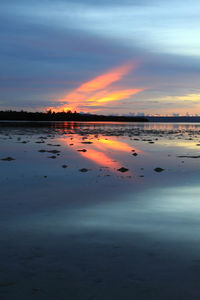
<point x="99" y="90"/>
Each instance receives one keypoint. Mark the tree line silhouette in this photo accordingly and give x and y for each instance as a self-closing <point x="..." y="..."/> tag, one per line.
<point x="10" y="115"/>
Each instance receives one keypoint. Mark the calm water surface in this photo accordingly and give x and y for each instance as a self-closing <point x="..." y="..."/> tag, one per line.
<point x="85" y="215"/>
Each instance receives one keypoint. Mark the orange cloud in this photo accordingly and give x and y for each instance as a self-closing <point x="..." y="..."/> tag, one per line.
<point x="99" y="90"/>
<point x="102" y="81"/>
<point x="114" y="96"/>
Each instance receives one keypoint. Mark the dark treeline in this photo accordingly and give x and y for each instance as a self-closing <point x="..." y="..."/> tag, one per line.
<point x="64" y="116"/>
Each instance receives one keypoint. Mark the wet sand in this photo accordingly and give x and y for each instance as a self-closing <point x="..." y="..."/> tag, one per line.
<point x="100" y="211"/>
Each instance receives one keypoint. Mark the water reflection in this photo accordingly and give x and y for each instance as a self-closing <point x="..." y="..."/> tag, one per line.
<point x="143" y="126"/>
<point x="114" y="145"/>
<point x="101" y="159"/>
<point x="98" y="150"/>
<point x="144" y="231"/>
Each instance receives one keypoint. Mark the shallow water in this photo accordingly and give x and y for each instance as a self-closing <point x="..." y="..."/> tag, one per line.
<point x="74" y="226"/>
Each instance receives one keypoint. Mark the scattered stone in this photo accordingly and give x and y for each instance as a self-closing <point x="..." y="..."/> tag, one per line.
<point x="71" y="144"/>
<point x="45" y="176"/>
<point x="64" y="166"/>
<point x="158" y="170"/>
<point x="53" y="156"/>
<point x="83" y="170"/>
<point x="86" y="142"/>
<point x="53" y="151"/>
<point x="134" y="154"/>
<point x="8" y="158"/>
<point x="122" y="170"/>
<point x="82" y="150"/>
<point x="49" y="151"/>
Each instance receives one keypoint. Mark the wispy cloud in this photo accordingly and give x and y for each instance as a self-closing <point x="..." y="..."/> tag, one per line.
<point x="100" y="90"/>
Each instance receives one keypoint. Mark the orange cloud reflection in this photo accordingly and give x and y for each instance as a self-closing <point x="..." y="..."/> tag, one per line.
<point x="116" y="145"/>
<point x="97" y="152"/>
<point x="100" y="158"/>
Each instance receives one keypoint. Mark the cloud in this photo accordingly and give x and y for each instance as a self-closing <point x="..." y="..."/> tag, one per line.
<point x="100" y="90"/>
<point x="48" y="48"/>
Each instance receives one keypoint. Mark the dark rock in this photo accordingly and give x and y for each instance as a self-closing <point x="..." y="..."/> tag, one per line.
<point x="134" y="154"/>
<point x="158" y="170"/>
<point x="64" y="166"/>
<point x="82" y="150"/>
<point x="122" y="169"/>
<point x="83" y="170"/>
<point x="8" y="158"/>
<point x="53" y="151"/>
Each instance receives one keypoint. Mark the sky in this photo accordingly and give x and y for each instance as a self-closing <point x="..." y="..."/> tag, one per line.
<point x="110" y="57"/>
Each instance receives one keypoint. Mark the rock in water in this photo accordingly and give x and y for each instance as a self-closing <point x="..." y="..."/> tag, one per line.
<point x="82" y="150"/>
<point x="122" y="169"/>
<point x="158" y="170"/>
<point x="83" y="170"/>
<point x="8" y="158"/>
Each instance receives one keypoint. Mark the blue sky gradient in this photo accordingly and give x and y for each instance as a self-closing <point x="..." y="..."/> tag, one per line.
<point x="50" y="48"/>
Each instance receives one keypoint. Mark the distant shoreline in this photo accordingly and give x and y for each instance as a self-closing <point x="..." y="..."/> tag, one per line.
<point x="22" y="116"/>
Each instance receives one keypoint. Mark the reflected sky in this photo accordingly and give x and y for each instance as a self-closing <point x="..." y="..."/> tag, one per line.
<point x="142" y="225"/>
<point x="137" y="147"/>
